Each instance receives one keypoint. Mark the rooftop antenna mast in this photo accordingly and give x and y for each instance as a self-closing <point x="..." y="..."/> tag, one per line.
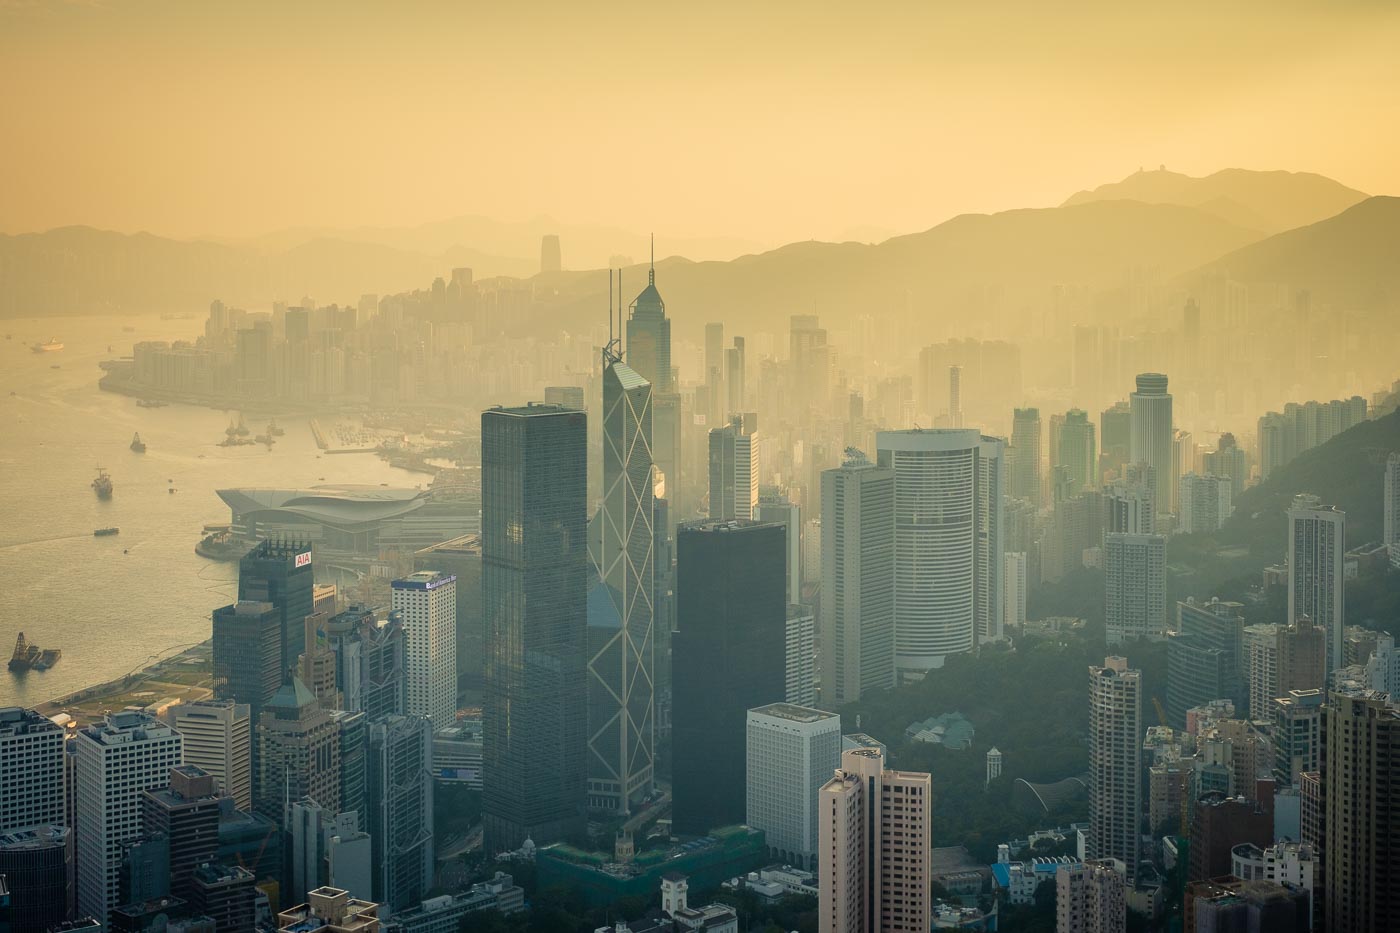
<point x="612" y="353"/>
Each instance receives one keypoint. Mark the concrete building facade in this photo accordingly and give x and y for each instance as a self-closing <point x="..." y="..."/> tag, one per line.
<point x="875" y="848"/>
<point x="792" y="751"/>
<point x="1115" y="763"/>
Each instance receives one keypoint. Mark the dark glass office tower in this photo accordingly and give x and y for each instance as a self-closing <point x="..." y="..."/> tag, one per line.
<point x="279" y="572"/>
<point x="534" y="576"/>
<point x="247" y="653"/>
<point x="728" y="656"/>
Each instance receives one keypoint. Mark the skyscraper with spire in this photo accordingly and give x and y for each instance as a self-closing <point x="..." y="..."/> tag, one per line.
<point x="649" y="355"/>
<point x="622" y="667"/>
<point x="649" y="335"/>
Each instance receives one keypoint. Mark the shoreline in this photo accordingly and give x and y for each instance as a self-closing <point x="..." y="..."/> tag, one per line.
<point x="190" y="677"/>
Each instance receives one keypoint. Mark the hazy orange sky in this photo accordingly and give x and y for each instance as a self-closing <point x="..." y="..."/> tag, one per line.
<point x="769" y="121"/>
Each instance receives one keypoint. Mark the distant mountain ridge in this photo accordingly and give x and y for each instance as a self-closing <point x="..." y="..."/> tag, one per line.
<point x="1266" y="201"/>
<point x="973" y="266"/>
<point x="1351" y="259"/>
<point x="73" y="270"/>
<point x="506" y="243"/>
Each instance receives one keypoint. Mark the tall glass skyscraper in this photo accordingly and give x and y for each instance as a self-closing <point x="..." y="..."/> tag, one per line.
<point x="649" y="337"/>
<point x="534" y="504"/>
<point x="279" y="572"/>
<point x="649" y="355"/>
<point x="622" y="669"/>
<point x="857" y="582"/>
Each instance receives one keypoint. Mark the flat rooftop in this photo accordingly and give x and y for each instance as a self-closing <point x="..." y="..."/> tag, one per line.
<point x="794" y="713"/>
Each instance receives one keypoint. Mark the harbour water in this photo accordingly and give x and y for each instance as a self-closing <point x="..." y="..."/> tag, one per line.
<point x="114" y="604"/>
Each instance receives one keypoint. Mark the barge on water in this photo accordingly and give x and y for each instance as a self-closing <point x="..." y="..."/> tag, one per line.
<point x="32" y="657"/>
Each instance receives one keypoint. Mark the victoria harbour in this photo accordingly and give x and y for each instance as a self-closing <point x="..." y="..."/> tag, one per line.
<point x="116" y="603"/>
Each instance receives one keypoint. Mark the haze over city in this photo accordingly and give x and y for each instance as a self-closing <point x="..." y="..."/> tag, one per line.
<point x="645" y="468"/>
<point x="765" y="124"/>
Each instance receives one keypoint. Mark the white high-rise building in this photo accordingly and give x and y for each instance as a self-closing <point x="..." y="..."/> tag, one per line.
<point x="857" y="580"/>
<point x="1151" y="435"/>
<point x="1260" y="643"/>
<point x="116" y="760"/>
<point x="1090" y="897"/>
<point x="218" y="738"/>
<point x="792" y="751"/>
<point x="1316" y="548"/>
<point x="1013" y="602"/>
<point x="1131" y="502"/>
<point x="801" y="656"/>
<point x="1285" y="862"/>
<point x="1135" y="586"/>
<point x="1183" y="462"/>
<point x="948" y="501"/>
<point x="1205" y="503"/>
<point x="427" y="603"/>
<point x="31" y="770"/>
<point x="734" y="469"/>
<point x="1025" y="474"/>
<point x="993" y="764"/>
<point x="991" y="534"/>
<point x="875" y="848"/>
<point x="1390" y="525"/>
<point x="1115" y="763"/>
<point x="1383" y="667"/>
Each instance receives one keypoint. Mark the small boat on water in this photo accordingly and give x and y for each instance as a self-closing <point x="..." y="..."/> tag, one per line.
<point x="103" y="484"/>
<point x="274" y="429"/>
<point x="105" y="532"/>
<point x="32" y="657"/>
<point x="138" y="445"/>
<point x="47" y="346"/>
<point x="150" y="403"/>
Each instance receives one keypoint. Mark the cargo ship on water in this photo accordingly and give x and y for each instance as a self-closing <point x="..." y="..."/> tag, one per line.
<point x="29" y="657"/>
<point x="103" y="484"/>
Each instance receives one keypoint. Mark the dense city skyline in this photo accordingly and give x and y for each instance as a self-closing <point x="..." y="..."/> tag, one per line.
<point x="1036" y="570"/>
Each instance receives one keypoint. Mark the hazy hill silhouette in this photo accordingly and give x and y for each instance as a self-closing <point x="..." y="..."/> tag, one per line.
<point x="72" y="270"/>
<point x="973" y="264"/>
<point x="1352" y="259"/>
<point x="1348" y="471"/>
<point x="1267" y="201"/>
<point x="969" y="266"/>
<point x="509" y="247"/>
